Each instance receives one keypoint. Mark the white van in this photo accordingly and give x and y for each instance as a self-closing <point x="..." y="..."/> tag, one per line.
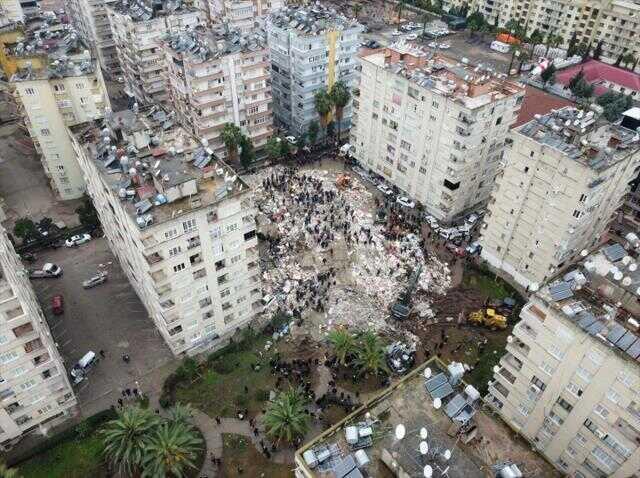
<point x="80" y="369"/>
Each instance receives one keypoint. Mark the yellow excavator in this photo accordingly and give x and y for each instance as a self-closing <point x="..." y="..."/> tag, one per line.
<point x="489" y="318"/>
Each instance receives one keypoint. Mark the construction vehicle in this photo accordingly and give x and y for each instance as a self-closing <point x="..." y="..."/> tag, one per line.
<point x="402" y="307"/>
<point x="489" y="318"/>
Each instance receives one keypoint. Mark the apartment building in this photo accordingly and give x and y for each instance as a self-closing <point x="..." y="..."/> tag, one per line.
<point x="10" y="12"/>
<point x="92" y="22"/>
<point x="433" y="127"/>
<point x="614" y="22"/>
<point x="35" y="392"/>
<point x="137" y="28"/>
<point x="179" y="220"/>
<point x="311" y="49"/>
<point x="242" y="15"/>
<point x="570" y="380"/>
<point x="215" y="77"/>
<point x="566" y="176"/>
<point x="59" y="86"/>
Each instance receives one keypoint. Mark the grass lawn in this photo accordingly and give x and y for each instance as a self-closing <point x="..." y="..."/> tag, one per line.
<point x="238" y="453"/>
<point x="71" y="459"/>
<point x="220" y="389"/>
<point x="490" y="357"/>
<point x="487" y="284"/>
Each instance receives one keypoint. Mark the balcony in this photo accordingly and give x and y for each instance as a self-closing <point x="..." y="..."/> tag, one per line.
<point x="167" y="304"/>
<point x="518" y="348"/>
<point x="159" y="276"/>
<point x="154" y="258"/>
<point x="164" y="290"/>
<point x="33" y="346"/>
<point x="193" y="243"/>
<point x="212" y="216"/>
<point x="195" y="259"/>
<point x="23" y="330"/>
<point x="175" y="330"/>
<point x="508" y="376"/>
<point x="252" y="265"/>
<point x="512" y="361"/>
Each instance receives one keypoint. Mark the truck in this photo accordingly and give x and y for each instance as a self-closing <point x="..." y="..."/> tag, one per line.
<point x="48" y="271"/>
<point x="488" y="318"/>
<point x="401" y="308"/>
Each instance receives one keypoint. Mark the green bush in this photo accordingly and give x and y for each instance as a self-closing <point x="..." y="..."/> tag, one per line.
<point x="261" y="395"/>
<point x="242" y="400"/>
<point x="223" y="367"/>
<point x="168" y="396"/>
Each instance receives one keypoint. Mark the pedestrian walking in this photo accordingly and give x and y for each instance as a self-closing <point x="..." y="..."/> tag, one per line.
<point x="102" y="354"/>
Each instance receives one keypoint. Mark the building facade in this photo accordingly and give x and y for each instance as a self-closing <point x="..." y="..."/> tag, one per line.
<point x="137" y="29"/>
<point x="34" y="388"/>
<point x="213" y="78"/>
<point x="570" y="378"/>
<point x="180" y="222"/>
<point x="242" y="15"/>
<point x="313" y="55"/>
<point x="432" y="128"/>
<point x="565" y="178"/>
<point x="11" y="12"/>
<point x="91" y="20"/>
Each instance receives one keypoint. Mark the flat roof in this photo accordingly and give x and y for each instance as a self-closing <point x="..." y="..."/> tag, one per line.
<point x="538" y="102"/>
<point x="474" y="445"/>
<point x="209" y="43"/>
<point x="145" y="10"/>
<point x="157" y="169"/>
<point x="311" y="20"/>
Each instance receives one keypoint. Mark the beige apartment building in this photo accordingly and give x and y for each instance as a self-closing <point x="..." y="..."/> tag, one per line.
<point x="63" y="89"/>
<point x="216" y="77"/>
<point x="91" y="19"/>
<point x="35" y="393"/>
<point x="137" y="28"/>
<point x="180" y="222"/>
<point x="570" y="380"/>
<point x="433" y="127"/>
<point x="242" y="15"/>
<point x="614" y="22"/>
<point x="567" y="174"/>
<point x="10" y="12"/>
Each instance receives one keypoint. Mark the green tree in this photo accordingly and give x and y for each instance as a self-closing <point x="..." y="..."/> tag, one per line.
<point x="552" y="41"/>
<point x="323" y="106"/>
<point x="475" y="22"/>
<point x="536" y="37"/>
<point x="579" y="86"/>
<point x="274" y="151"/>
<point x="286" y="418"/>
<point x="126" y="437"/>
<point x="597" y="51"/>
<point x="6" y="472"/>
<point x="181" y="413"/>
<point x="340" y="97"/>
<point x="628" y="59"/>
<point x="171" y="450"/>
<point x="247" y="153"/>
<point x="370" y="356"/>
<point x="614" y="104"/>
<point x="356" y="9"/>
<point x="573" y="43"/>
<point x="343" y="344"/>
<point x="87" y="214"/>
<point x="25" y="229"/>
<point x="312" y="132"/>
<point x="548" y="75"/>
<point x="231" y="137"/>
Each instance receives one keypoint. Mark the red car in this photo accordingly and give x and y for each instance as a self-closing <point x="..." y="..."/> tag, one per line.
<point x="57" y="305"/>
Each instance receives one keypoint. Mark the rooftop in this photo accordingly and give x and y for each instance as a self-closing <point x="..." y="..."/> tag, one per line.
<point x="158" y="169"/>
<point x="144" y="10"/>
<point x="583" y="136"/>
<point x="314" y="19"/>
<point x="418" y="425"/>
<point x="471" y="85"/>
<point x="600" y="295"/>
<point x="205" y="44"/>
<point x="601" y="75"/>
<point x="538" y="102"/>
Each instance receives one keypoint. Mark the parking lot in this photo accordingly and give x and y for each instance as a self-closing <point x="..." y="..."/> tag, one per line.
<point x="109" y="317"/>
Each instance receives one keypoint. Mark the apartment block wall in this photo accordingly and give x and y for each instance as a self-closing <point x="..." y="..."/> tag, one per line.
<point x="34" y="389"/>
<point x="10" y="11"/>
<point x="573" y="397"/>
<point x="242" y="15"/>
<point x="547" y="208"/>
<point x="48" y="107"/>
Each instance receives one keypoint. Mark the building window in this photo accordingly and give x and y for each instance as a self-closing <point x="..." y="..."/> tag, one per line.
<point x="8" y="357"/>
<point x="601" y="411"/>
<point x="174" y="251"/>
<point x="30" y="91"/>
<point x="170" y="234"/>
<point x="45" y="132"/>
<point x="574" y="389"/>
<point x="189" y="225"/>
<point x="58" y="87"/>
<point x="564" y="404"/>
<point x="613" y="396"/>
<point x="179" y="267"/>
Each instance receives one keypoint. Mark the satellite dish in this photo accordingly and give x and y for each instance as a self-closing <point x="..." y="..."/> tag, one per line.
<point x="496" y="369"/>
<point x="447" y="455"/>
<point x="367" y="415"/>
<point x="626" y="260"/>
<point x="424" y="448"/>
<point x="584" y="253"/>
<point x="534" y="287"/>
<point x="400" y="431"/>
<point x="633" y="267"/>
<point x="427" y="471"/>
<point x="437" y="403"/>
<point x="510" y="339"/>
<point x="424" y="433"/>
<point x="626" y="281"/>
<point x="618" y="275"/>
<point x="427" y="372"/>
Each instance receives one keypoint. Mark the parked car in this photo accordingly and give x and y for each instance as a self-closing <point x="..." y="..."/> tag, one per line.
<point x="472" y="219"/>
<point x="120" y="79"/>
<point x="48" y="271"/>
<point x="396" y="33"/>
<point x="384" y="189"/>
<point x="77" y="240"/>
<point x="291" y="140"/>
<point x="406" y="202"/>
<point x="444" y="46"/>
<point x="99" y="278"/>
<point x="412" y="36"/>
<point x="474" y="248"/>
<point x="449" y="233"/>
<point x="433" y="45"/>
<point x="57" y="305"/>
<point x="79" y="370"/>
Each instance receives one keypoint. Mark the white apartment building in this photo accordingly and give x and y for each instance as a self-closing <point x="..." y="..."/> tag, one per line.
<point x="242" y="15"/>
<point x="138" y="27"/>
<point x="67" y="90"/>
<point x="216" y="77"/>
<point x="10" y="12"/>
<point x="180" y="222"/>
<point x="433" y="127"/>
<point x="311" y="49"/>
<point x="570" y="380"/>
<point x="35" y="392"/>
<point x="91" y="20"/>
<point x="566" y="175"/>
<point x="615" y="22"/>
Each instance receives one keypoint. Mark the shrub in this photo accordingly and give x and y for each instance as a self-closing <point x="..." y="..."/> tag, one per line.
<point x="223" y="367"/>
<point x="242" y="400"/>
<point x="261" y="395"/>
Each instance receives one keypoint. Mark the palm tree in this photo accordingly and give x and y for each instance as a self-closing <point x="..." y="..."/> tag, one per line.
<point x="125" y="438"/>
<point x="171" y="450"/>
<point x="340" y="97"/>
<point x="231" y="137"/>
<point x="323" y="107"/>
<point x="6" y="472"/>
<point x="628" y="59"/>
<point x="286" y="418"/>
<point x="343" y="344"/>
<point x="370" y="357"/>
<point x="356" y="9"/>
<point x="552" y="41"/>
<point x="181" y="413"/>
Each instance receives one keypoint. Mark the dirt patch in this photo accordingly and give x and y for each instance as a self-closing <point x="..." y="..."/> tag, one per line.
<point x="240" y="458"/>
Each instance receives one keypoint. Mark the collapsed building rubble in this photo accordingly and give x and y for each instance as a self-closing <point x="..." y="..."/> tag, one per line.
<point x="328" y="261"/>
